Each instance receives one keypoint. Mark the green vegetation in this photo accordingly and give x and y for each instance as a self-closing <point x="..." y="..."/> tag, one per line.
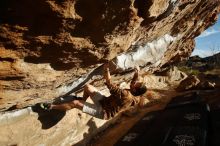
<point x="215" y="71"/>
<point x="188" y="70"/>
<point x="196" y="65"/>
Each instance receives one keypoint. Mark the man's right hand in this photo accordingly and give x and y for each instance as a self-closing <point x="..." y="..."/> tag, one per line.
<point x="135" y="77"/>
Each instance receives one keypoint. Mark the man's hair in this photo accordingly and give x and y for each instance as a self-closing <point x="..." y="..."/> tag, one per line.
<point x="140" y="90"/>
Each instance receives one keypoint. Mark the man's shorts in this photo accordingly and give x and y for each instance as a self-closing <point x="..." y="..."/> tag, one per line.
<point x="95" y="109"/>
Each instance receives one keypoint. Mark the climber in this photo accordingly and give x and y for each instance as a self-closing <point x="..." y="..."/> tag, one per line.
<point x="106" y="107"/>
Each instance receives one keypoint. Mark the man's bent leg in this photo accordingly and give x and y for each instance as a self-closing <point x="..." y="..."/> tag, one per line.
<point x="67" y="106"/>
<point x="91" y="109"/>
<point x="89" y="90"/>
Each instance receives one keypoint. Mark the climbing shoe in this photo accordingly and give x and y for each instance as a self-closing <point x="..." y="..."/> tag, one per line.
<point x="45" y="106"/>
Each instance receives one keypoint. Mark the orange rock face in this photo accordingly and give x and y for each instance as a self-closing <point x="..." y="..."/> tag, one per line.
<point x="49" y="48"/>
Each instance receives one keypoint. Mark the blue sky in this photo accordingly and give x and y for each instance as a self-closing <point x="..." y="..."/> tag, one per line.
<point x="210" y="38"/>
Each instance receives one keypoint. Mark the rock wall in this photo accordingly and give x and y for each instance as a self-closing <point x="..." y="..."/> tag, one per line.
<point x="33" y="126"/>
<point x="51" y="48"/>
<point x="48" y="47"/>
<point x="25" y="128"/>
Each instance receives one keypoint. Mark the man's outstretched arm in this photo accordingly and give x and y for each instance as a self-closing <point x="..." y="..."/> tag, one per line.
<point x="136" y="75"/>
<point x="114" y="89"/>
<point x="107" y="75"/>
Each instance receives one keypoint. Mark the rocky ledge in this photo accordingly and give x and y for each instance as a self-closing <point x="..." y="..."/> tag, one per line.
<point x="49" y="49"/>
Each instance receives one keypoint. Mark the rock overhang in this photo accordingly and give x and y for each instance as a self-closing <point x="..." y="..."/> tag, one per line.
<point x="48" y="52"/>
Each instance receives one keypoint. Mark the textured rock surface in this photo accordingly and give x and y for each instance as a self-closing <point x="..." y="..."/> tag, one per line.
<point x="48" y="129"/>
<point x="189" y="83"/>
<point x="193" y="82"/>
<point x="32" y="126"/>
<point x="50" y="48"/>
<point x="46" y="46"/>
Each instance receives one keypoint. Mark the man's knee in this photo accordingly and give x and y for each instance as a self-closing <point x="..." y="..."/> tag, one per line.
<point x="89" y="88"/>
<point x="77" y="104"/>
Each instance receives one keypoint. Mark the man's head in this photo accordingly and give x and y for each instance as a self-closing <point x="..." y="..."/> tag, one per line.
<point x="138" y="88"/>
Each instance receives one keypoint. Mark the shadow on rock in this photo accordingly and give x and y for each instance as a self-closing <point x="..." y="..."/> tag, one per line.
<point x="50" y="118"/>
<point x="88" y="135"/>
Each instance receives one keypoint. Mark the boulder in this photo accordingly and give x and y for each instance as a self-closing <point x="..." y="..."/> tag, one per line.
<point x="49" y="49"/>
<point x="190" y="83"/>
